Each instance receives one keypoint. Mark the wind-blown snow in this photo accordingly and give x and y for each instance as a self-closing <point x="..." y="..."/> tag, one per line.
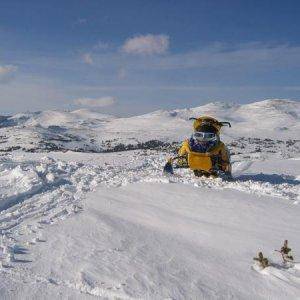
<point x="111" y="225"/>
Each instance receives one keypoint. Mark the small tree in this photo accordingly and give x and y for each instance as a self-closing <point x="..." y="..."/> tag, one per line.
<point x="285" y="252"/>
<point x="263" y="261"/>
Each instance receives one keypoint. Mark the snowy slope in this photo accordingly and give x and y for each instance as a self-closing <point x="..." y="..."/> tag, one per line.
<point x="265" y="118"/>
<point x="122" y="240"/>
<point x="57" y="118"/>
<point x="83" y="130"/>
<point x="112" y="226"/>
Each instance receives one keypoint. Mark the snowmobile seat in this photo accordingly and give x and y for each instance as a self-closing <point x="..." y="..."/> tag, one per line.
<point x="200" y="161"/>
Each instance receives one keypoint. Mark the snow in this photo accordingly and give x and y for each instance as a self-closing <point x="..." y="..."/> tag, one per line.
<point x="57" y="118"/>
<point x="84" y="225"/>
<point x="84" y="130"/>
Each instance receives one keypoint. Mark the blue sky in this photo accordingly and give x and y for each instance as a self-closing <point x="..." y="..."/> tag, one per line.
<point x="130" y="57"/>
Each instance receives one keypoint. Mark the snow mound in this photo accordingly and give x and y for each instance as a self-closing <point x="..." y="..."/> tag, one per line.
<point x="266" y="118"/>
<point x="58" y="118"/>
<point x="25" y="180"/>
<point x="89" y="114"/>
<point x="65" y="119"/>
<point x="271" y="114"/>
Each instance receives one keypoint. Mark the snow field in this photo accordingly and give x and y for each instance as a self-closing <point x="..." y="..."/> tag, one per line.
<point x="89" y="131"/>
<point x="38" y="191"/>
<point x="120" y="229"/>
<point x="165" y="241"/>
<point x="23" y="182"/>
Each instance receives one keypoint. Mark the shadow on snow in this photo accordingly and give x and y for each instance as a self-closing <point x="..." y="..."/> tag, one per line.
<point x="269" y="178"/>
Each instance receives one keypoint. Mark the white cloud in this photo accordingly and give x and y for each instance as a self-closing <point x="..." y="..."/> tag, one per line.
<point x="6" y="72"/>
<point x="95" y="102"/>
<point x="87" y="58"/>
<point x="147" y="44"/>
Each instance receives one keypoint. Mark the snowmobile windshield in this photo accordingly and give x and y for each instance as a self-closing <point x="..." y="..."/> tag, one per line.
<point x="204" y="136"/>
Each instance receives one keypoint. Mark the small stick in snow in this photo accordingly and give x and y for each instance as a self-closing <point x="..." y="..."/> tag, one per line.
<point x="285" y="253"/>
<point x="263" y="261"/>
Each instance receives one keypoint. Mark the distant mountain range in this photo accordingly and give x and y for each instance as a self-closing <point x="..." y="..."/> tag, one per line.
<point x="85" y="130"/>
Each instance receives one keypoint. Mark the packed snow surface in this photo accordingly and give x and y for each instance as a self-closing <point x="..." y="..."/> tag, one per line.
<point x="82" y="225"/>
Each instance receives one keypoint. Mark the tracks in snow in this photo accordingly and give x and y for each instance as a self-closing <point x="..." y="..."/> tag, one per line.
<point x="37" y="193"/>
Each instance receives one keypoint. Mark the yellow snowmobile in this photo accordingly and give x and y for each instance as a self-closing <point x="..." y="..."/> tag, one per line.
<point x="203" y="153"/>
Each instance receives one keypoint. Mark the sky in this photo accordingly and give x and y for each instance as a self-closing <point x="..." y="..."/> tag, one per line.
<point x="136" y="56"/>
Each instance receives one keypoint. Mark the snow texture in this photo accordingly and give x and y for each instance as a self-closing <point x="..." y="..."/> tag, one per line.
<point x="81" y="220"/>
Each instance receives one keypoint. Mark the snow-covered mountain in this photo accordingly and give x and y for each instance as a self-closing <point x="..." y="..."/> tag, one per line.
<point x="101" y="222"/>
<point x="84" y="130"/>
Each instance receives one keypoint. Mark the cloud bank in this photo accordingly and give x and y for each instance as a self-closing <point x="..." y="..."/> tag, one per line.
<point x="95" y="102"/>
<point x="147" y="44"/>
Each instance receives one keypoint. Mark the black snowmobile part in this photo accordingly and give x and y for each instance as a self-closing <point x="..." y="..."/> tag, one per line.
<point x="168" y="168"/>
<point x="220" y="123"/>
<point x="214" y="173"/>
<point x="225" y="123"/>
